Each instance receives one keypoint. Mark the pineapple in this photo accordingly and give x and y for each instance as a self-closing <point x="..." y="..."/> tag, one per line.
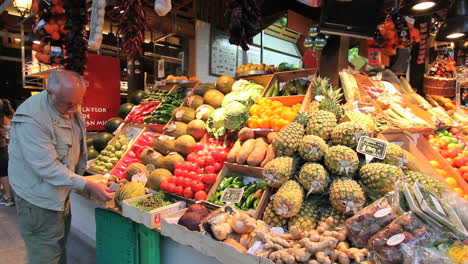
<point x="288" y="199"/>
<point x="395" y="155"/>
<point x="341" y="160"/>
<point x="287" y="141"/>
<point x="380" y="178"/>
<point x="312" y="148"/>
<point x="272" y="219"/>
<point x="331" y="97"/>
<point x="313" y="177"/>
<point x="347" y="196"/>
<point x="306" y="219"/>
<point x="429" y="182"/>
<point x="338" y="218"/>
<point x="321" y="124"/>
<point x="278" y="170"/>
<point x="348" y="134"/>
<point x="364" y="119"/>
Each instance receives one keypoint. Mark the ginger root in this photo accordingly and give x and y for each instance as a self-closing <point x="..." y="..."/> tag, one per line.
<point x="242" y="223"/>
<point x="325" y="225"/>
<point x="341" y="235"/>
<point x="322" y="258"/>
<point x="283" y="256"/>
<point x="323" y="244"/>
<point x="353" y="253"/>
<point x="300" y="254"/>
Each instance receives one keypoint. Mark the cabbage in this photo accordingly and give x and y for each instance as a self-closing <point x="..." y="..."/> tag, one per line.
<point x="236" y="114"/>
<point x="239" y="85"/>
<point x="215" y="123"/>
<point x="255" y="87"/>
<point x="229" y="98"/>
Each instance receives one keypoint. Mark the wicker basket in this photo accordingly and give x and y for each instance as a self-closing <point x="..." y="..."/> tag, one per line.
<point x="439" y="86"/>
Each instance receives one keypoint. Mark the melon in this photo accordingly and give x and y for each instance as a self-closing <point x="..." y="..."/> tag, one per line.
<point x="163" y="144"/>
<point x="92" y="153"/>
<point x="213" y="98"/>
<point x="125" y="109"/>
<point x="175" y="129"/>
<point x="149" y="156"/>
<point x="196" y="129"/>
<point x="194" y="101"/>
<point x="100" y="140"/>
<point x="204" y="111"/>
<point x="156" y="177"/>
<point x="127" y="191"/>
<point x="135" y="168"/>
<point x="159" y="163"/>
<point x="112" y="124"/>
<point x="137" y="96"/>
<point x="183" y="114"/>
<point x="89" y="140"/>
<point x="224" y="83"/>
<point x="171" y="159"/>
<point x="185" y="144"/>
<point x="202" y="88"/>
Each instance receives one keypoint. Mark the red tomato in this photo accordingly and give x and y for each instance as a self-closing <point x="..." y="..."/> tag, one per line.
<point x="201" y="153"/>
<point x="191" y="175"/>
<point x="178" y="165"/>
<point x="172" y="179"/>
<point x="209" y="160"/>
<point x="171" y="187"/>
<point x="197" y="186"/>
<point x="210" y="169"/>
<point x="186" y="182"/>
<point x="163" y="185"/>
<point x="209" y="178"/>
<point x="201" y="162"/>
<point x="199" y="177"/>
<point x="458" y="162"/>
<point x="185" y="166"/>
<point x="200" y="171"/>
<point x="207" y="188"/>
<point x="178" y="190"/>
<point x="191" y="157"/>
<point x="217" y="166"/>
<point x="200" y="195"/>
<point x="178" y="181"/>
<point x="188" y="193"/>
<point x="178" y="172"/>
<point x="222" y="155"/>
<point x="199" y="146"/>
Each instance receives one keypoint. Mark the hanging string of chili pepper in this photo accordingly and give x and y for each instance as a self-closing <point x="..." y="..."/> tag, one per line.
<point x="131" y="17"/>
<point x="76" y="40"/>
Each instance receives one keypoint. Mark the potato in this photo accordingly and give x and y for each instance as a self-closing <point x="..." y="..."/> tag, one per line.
<point x="233" y="153"/>
<point x="245" y="151"/>
<point x="259" y="152"/>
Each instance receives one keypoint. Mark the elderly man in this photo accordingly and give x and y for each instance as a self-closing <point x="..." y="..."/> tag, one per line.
<point x="47" y="156"/>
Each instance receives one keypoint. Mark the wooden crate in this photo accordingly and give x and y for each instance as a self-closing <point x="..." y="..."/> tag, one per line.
<point x="127" y="130"/>
<point x="243" y="170"/>
<point x="290" y="75"/>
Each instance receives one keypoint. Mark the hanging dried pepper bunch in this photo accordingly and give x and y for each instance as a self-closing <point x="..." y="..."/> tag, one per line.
<point x="243" y="17"/>
<point x="131" y="17"/>
<point x="75" y="40"/>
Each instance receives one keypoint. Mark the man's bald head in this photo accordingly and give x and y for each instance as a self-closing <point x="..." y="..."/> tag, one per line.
<point x="66" y="90"/>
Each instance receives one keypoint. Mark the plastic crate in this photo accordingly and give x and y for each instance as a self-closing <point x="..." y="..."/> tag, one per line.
<point x="148" y="245"/>
<point x="116" y="238"/>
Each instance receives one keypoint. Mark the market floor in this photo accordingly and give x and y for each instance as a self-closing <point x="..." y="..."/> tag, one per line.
<point x="12" y="250"/>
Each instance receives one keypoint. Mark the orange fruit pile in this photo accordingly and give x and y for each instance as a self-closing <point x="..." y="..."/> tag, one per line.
<point x="267" y="113"/>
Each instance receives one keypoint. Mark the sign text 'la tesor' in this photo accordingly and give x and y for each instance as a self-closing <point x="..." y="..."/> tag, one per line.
<point x="102" y="99"/>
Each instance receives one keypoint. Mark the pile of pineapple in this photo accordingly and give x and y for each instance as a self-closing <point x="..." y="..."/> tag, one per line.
<point x="318" y="172"/>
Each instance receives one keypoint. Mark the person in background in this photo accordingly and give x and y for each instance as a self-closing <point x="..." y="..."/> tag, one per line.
<point x="47" y="158"/>
<point x="6" y="113"/>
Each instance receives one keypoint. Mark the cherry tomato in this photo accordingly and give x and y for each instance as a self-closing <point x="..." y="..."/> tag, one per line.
<point x="200" y="195"/>
<point x="188" y="193"/>
<point x="178" y="190"/>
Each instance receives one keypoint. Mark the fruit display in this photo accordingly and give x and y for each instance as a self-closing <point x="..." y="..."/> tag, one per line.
<point x="133" y="156"/>
<point x="141" y="113"/>
<point x="251" y="150"/>
<point x="267" y="113"/>
<point x="154" y="95"/>
<point x="152" y="202"/>
<point x="253" y="191"/>
<point x="112" y="124"/>
<point x="296" y="86"/>
<point x="255" y="67"/>
<point x="284" y="66"/>
<point x="108" y="158"/>
<point x="193" y="216"/>
<point x="127" y="191"/>
<point x="171" y="77"/>
<point x="163" y="113"/>
<point x="317" y="245"/>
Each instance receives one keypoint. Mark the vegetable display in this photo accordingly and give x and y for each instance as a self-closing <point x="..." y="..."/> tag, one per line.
<point x="296" y="86"/>
<point x="154" y="95"/>
<point x="141" y="112"/>
<point x="253" y="191"/>
<point x="163" y="113"/>
<point x="153" y="202"/>
<point x="267" y="113"/>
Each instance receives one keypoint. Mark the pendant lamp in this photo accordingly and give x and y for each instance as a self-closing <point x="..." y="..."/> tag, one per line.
<point x="421" y="7"/>
<point x="455" y="26"/>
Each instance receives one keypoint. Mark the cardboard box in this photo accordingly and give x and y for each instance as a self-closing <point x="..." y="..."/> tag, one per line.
<point x="151" y="219"/>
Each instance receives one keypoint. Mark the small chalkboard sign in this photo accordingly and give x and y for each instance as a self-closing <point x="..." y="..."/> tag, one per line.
<point x="372" y="147"/>
<point x="232" y="195"/>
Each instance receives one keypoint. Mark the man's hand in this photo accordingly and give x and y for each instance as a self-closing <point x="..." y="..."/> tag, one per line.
<point x="99" y="190"/>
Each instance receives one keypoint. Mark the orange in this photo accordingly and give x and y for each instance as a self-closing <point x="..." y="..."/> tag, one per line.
<point x="170" y="77"/>
<point x="459" y="191"/>
<point x="442" y="172"/>
<point x="451" y="181"/>
<point x="254" y="109"/>
<point x="435" y="164"/>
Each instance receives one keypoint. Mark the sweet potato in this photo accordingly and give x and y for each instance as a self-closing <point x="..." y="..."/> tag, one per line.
<point x="245" y="151"/>
<point x="258" y="154"/>
<point x="233" y="153"/>
<point x="270" y="154"/>
<point x="245" y="134"/>
<point x="271" y="136"/>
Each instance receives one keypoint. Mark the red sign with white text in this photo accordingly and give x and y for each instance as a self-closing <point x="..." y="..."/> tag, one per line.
<point x="102" y="99"/>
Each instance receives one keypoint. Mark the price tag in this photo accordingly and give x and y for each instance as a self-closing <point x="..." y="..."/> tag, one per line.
<point x="161" y="68"/>
<point x="372" y="147"/>
<point x="133" y="132"/>
<point x="232" y="195"/>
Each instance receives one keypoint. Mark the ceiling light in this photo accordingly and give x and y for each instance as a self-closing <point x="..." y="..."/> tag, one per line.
<point x="456" y="24"/>
<point x="23" y="6"/>
<point x="423" y="6"/>
<point x="17" y="39"/>
<point x="37" y="42"/>
<point x="455" y="35"/>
